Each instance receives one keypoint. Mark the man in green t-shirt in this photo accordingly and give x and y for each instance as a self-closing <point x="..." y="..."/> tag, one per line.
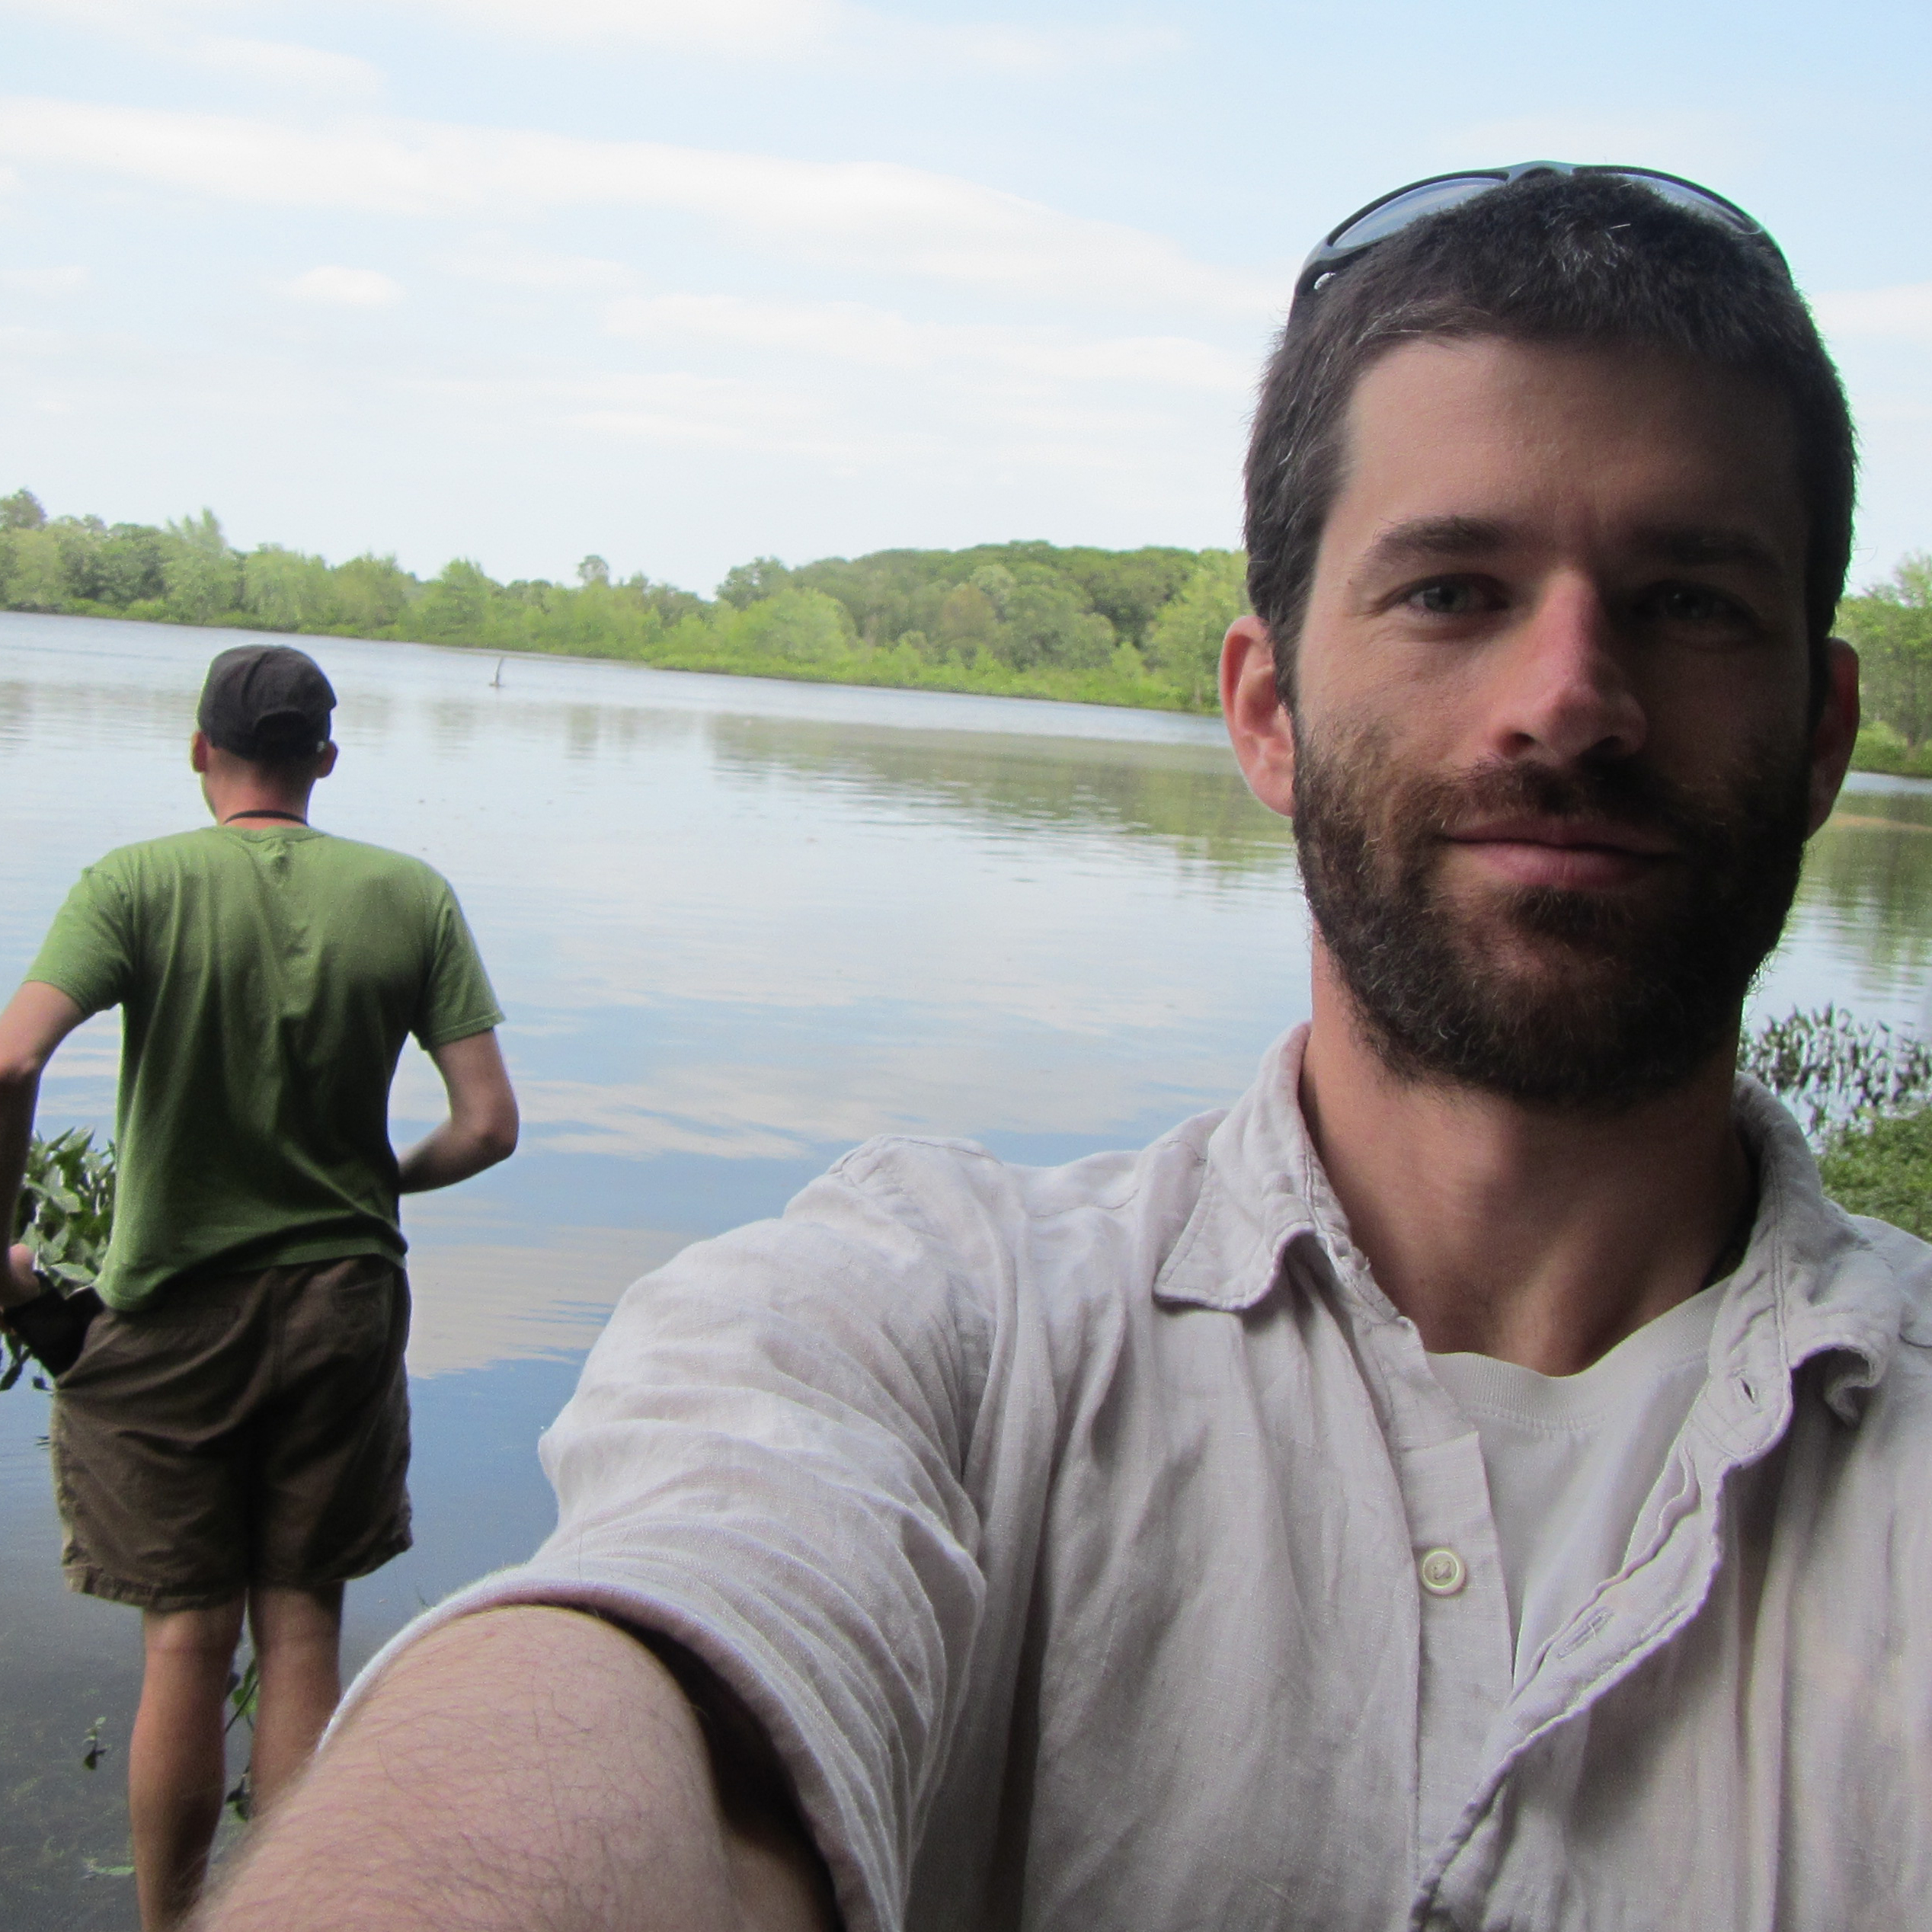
<point x="231" y="1430"/>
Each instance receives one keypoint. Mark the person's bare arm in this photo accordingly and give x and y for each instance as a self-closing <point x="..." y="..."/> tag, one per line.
<point x="527" y="1770"/>
<point x="37" y="1019"/>
<point x="482" y="1128"/>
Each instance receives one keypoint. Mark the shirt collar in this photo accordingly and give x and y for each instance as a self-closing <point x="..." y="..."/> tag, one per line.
<point x="1810" y="1283"/>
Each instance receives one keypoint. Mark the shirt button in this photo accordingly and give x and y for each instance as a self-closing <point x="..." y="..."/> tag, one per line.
<point x="1442" y="1572"/>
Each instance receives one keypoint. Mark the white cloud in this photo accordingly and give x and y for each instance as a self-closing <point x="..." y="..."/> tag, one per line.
<point x="745" y="30"/>
<point x="849" y="332"/>
<point x="499" y="260"/>
<point x="345" y="288"/>
<point x="69" y="280"/>
<point x="282" y="63"/>
<point x="1027" y="50"/>
<point x="779" y="29"/>
<point x="879" y="214"/>
<point x="1903" y="311"/>
<point x="740" y="26"/>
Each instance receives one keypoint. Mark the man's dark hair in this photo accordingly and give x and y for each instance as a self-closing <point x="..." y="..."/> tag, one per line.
<point x="1583" y="259"/>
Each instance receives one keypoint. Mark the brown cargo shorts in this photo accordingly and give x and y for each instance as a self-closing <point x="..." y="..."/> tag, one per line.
<point x="242" y="1429"/>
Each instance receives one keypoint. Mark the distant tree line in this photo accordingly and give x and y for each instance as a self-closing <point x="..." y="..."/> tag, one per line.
<point x="1133" y="627"/>
<point x="1137" y="627"/>
<point x="1891" y="625"/>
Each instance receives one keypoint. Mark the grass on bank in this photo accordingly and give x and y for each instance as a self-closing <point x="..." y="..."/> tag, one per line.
<point x="1885" y="1169"/>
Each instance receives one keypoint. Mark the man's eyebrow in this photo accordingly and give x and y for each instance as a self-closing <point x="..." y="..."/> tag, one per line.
<point x="1424" y="539"/>
<point x="1692" y="545"/>
<point x="1431" y="539"/>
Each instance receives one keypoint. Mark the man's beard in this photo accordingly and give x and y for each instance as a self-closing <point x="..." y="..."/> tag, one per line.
<point x="1588" y="1001"/>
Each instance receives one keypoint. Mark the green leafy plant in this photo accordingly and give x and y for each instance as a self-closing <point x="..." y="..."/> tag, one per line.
<point x="1885" y="1168"/>
<point x="1863" y="1094"/>
<point x="66" y="1212"/>
<point x="244" y="1691"/>
<point x="1834" y="1072"/>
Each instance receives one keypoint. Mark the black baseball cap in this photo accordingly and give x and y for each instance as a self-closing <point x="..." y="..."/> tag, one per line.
<point x="266" y="701"/>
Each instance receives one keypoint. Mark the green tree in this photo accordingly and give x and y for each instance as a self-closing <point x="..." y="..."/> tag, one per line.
<point x="967" y="622"/>
<point x="1128" y="587"/>
<point x="202" y="575"/>
<point x="1183" y="640"/>
<point x="288" y="591"/>
<point x="807" y="626"/>
<point x="1891" y="625"/>
<point x="746" y="584"/>
<point x="128" y="565"/>
<point x="1048" y="623"/>
<point x="457" y="605"/>
<point x="372" y="592"/>
<point x="593" y="569"/>
<point x="36" y="575"/>
<point x="22" y="511"/>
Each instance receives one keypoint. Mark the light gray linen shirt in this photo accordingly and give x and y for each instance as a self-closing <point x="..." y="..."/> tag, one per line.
<point x="1066" y="1530"/>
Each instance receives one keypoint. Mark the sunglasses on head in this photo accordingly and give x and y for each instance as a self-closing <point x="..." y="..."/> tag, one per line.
<point x="1388" y="214"/>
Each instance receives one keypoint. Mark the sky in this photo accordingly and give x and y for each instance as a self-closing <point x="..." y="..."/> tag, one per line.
<point x="679" y="282"/>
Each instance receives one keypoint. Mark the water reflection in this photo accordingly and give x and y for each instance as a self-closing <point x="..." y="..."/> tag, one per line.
<point x="1184" y="794"/>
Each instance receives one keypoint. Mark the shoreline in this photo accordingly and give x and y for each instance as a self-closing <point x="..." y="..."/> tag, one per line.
<point x="888" y="668"/>
<point x="1878" y="752"/>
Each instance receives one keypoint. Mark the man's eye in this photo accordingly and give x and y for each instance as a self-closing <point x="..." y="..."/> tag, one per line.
<point x="1688" y="603"/>
<point x="1452" y="597"/>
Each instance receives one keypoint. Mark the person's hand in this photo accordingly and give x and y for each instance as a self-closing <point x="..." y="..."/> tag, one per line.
<point x="19" y="1282"/>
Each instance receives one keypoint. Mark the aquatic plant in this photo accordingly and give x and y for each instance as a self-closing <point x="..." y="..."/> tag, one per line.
<point x="66" y="1211"/>
<point x="1836" y="1073"/>
<point x="1862" y="1092"/>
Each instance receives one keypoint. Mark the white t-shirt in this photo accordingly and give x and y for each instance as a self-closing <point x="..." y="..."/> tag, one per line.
<point x="1572" y="1459"/>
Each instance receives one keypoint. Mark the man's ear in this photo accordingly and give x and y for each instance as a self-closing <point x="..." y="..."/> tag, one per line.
<point x="326" y="764"/>
<point x="1257" y="722"/>
<point x="198" y="753"/>
<point x="1836" y="732"/>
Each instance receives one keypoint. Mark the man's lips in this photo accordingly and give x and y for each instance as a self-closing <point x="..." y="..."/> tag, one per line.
<point x="1576" y="853"/>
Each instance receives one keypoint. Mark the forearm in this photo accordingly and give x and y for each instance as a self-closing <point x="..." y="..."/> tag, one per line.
<point x="519" y="1770"/>
<point x="451" y="1153"/>
<point x="18" y="1094"/>
<point x="481" y="1129"/>
<point x="35" y="1022"/>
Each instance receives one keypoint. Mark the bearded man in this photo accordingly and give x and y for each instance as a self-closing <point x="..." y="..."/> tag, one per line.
<point x="1474" y="1482"/>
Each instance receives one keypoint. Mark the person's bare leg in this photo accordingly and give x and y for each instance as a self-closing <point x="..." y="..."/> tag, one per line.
<point x="176" y="1771"/>
<point x="297" y="1635"/>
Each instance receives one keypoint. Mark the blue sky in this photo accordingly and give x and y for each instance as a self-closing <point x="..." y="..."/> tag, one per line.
<point x="681" y="281"/>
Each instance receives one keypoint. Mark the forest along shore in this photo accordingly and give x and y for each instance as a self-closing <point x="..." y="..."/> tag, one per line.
<point x="1138" y="627"/>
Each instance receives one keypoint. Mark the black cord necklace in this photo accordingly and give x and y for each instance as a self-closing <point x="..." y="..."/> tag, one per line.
<point x="293" y="817"/>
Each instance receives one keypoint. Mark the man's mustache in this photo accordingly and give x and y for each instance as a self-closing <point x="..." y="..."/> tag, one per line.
<point x="1627" y="795"/>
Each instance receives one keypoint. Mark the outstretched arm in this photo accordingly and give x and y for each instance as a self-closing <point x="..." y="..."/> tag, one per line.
<point x="37" y="1019"/>
<point x="482" y="1128"/>
<point x="529" y="1767"/>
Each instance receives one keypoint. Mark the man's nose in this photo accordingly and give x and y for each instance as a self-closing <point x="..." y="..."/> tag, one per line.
<point x="1564" y="688"/>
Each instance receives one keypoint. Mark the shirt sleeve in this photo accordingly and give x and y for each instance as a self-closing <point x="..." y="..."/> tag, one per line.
<point x="457" y="998"/>
<point x="764" y="1460"/>
<point x="88" y="953"/>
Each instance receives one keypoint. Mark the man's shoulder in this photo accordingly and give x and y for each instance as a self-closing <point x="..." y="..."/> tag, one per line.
<point x="1908" y="1259"/>
<point x="1099" y="1221"/>
<point x="376" y="861"/>
<point x="205" y="851"/>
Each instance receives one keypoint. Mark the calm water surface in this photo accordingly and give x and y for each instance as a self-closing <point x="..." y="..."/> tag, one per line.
<point x="736" y="926"/>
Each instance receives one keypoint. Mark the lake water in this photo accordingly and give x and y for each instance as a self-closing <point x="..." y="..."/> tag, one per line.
<point x="738" y="925"/>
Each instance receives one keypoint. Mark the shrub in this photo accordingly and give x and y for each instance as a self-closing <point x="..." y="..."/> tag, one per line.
<point x="65" y="1214"/>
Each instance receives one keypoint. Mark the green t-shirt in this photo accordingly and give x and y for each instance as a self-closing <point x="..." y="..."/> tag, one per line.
<point x="267" y="978"/>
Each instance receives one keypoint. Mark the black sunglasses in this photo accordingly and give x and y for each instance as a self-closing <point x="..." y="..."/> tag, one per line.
<point x="1388" y="214"/>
